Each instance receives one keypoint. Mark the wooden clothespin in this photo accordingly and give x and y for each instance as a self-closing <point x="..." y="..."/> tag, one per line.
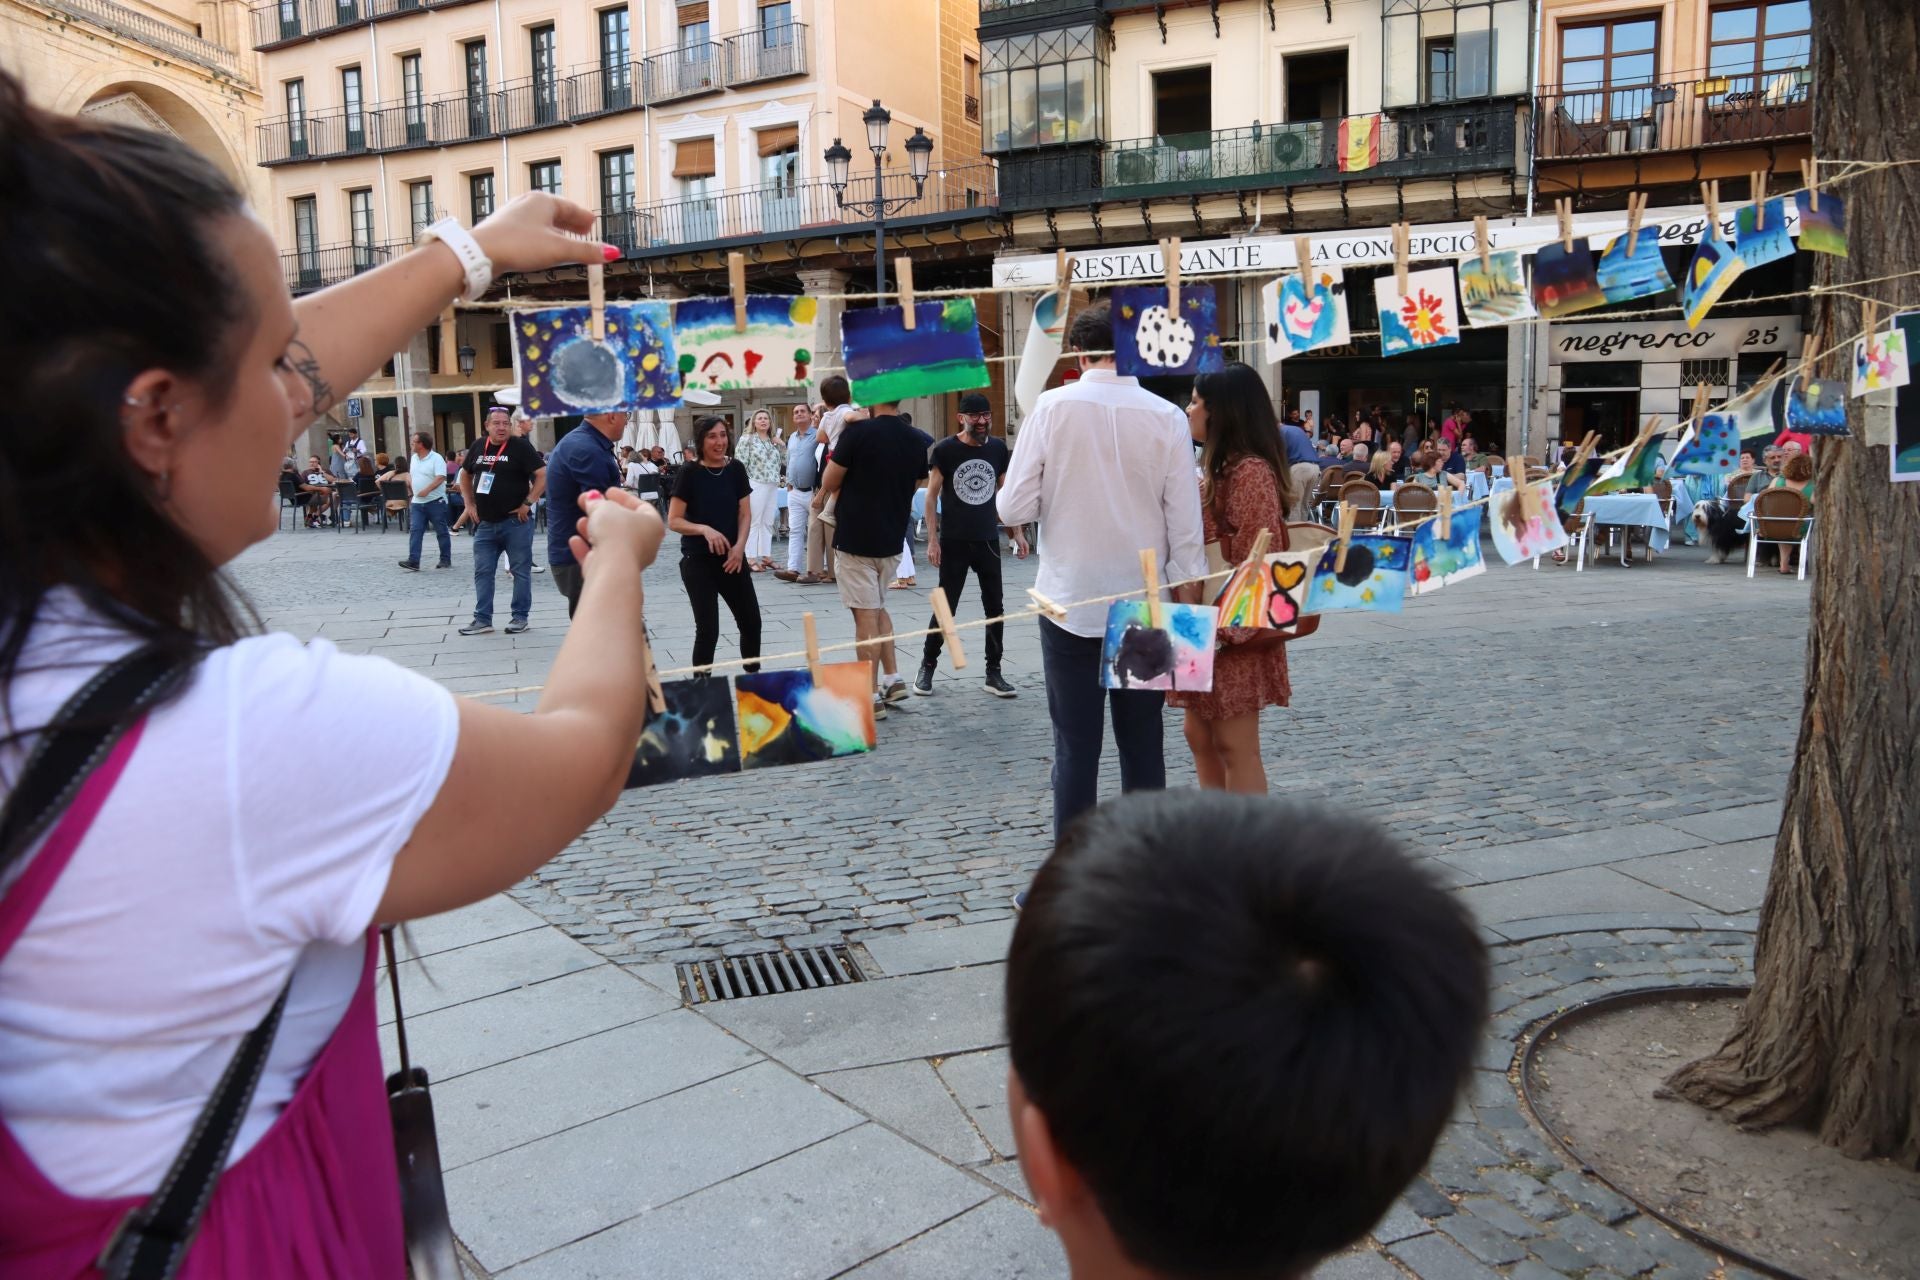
<point x="1809" y="354"/>
<point x="1402" y="239"/>
<point x="737" y="286"/>
<point x="1869" y="318"/>
<point x="597" y="301"/>
<point x="1811" y="183"/>
<point x="1699" y="401"/>
<point x="1582" y="453"/>
<point x="449" y="339"/>
<point x="1258" y="552"/>
<point x="1482" y="237"/>
<point x="1636" y="210"/>
<point x="1710" y="197"/>
<point x="1757" y="186"/>
<point x="813" y="646"/>
<point x="1057" y="612"/>
<point x="1150" y="570"/>
<point x="903" y="278"/>
<point x="1343" y="536"/>
<point x="1303" y="256"/>
<point x="1524" y="492"/>
<point x="1170" y="259"/>
<point x="1446" y="511"/>
<point x="943" y="615"/>
<point x="1563" y="210"/>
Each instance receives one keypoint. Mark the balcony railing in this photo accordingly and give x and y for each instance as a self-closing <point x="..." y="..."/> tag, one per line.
<point x="779" y="210"/>
<point x="461" y="117"/>
<point x="602" y="91"/>
<point x="530" y="104"/>
<point x="686" y="72"/>
<point x="277" y="22"/>
<point x="153" y="33"/>
<point x="329" y="264"/>
<point x="767" y="53"/>
<point x="1696" y="112"/>
<point x="1413" y="143"/>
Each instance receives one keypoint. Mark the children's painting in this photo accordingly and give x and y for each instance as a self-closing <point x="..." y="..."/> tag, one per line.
<point x="693" y="738"/>
<point x="1150" y="341"/>
<point x="789" y="717"/>
<point x="1635" y="469"/>
<point x="1641" y="274"/>
<point x="1302" y="312"/>
<point x="1268" y="596"/>
<point x="1574" y="486"/>
<point x="1374" y="579"/>
<point x="774" y="352"/>
<point x="1041" y="351"/>
<point x="1516" y="536"/>
<point x="1904" y="456"/>
<point x="1177" y="654"/>
<point x="1762" y="240"/>
<point x="1817" y="406"/>
<point x="1714" y="268"/>
<point x="1564" y="282"/>
<point x="1753" y="414"/>
<point x="1438" y="561"/>
<point x="1822" y="230"/>
<point x="1711" y="447"/>
<point x="1427" y="315"/>
<point x="886" y="361"/>
<point x="563" y="370"/>
<point x="1880" y="361"/>
<point x="1496" y="293"/>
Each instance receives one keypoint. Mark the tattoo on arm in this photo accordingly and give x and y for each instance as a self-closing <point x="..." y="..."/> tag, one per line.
<point x="301" y="359"/>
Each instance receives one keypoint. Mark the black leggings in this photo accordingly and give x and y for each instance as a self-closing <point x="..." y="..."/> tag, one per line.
<point x="707" y="584"/>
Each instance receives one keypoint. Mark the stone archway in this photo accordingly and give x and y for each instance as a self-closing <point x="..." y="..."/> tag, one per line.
<point x="152" y="105"/>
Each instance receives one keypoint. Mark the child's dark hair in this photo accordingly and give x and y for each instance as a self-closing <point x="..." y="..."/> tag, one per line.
<point x="835" y="390"/>
<point x="1092" y="329"/>
<point x="1245" y="1022"/>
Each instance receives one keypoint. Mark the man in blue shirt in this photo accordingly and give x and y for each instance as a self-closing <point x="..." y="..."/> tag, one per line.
<point x="1299" y="444"/>
<point x="583" y="460"/>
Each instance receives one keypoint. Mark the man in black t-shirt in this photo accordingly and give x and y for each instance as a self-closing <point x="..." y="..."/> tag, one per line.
<point x="501" y="480"/>
<point x="876" y="466"/>
<point x="963" y="531"/>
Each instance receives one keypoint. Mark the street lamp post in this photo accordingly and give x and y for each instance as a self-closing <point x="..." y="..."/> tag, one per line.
<point x="919" y="150"/>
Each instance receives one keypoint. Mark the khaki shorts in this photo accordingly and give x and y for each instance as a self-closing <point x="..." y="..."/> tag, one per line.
<point x="864" y="579"/>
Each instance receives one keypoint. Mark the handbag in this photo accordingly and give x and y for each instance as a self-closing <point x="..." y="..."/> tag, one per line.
<point x="416" y="1144"/>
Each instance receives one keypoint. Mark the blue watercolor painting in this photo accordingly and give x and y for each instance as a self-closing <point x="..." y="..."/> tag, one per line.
<point x="1822" y="230"/>
<point x="1496" y="294"/>
<point x="1151" y="342"/>
<point x="1817" y="406"/>
<point x="1564" y="281"/>
<point x="1714" y="268"/>
<point x="1624" y="278"/>
<point x="1375" y="579"/>
<point x="792" y="717"/>
<point x="773" y="352"/>
<point x="1178" y="654"/>
<point x="1438" y="561"/>
<point x="693" y="738"/>
<point x="1758" y="245"/>
<point x="564" y="371"/>
<point x="1710" y="448"/>
<point x="887" y="362"/>
<point x="1302" y="313"/>
<point x="1574" y="486"/>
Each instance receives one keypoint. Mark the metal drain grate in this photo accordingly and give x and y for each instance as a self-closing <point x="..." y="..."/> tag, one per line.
<point x="766" y="973"/>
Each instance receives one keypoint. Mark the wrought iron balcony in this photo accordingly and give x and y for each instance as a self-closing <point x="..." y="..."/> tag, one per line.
<point x="329" y="264"/>
<point x="776" y="211"/>
<point x="1692" y="113"/>
<point x="535" y="103"/>
<point x="1419" y="142"/>
<point x="767" y="53"/>
<point x="603" y="91"/>
<point x="686" y="72"/>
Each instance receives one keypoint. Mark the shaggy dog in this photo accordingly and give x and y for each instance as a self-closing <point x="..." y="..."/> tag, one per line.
<point x="1718" y="521"/>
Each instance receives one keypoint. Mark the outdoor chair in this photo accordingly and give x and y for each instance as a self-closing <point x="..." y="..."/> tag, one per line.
<point x="366" y="503"/>
<point x="344" y="498"/>
<point x="1364" y="497"/>
<point x="397" y="501"/>
<point x="290" y="498"/>
<point x="1412" y="502"/>
<point x="1783" y="518"/>
<point x="1663" y="490"/>
<point x="1737" y="487"/>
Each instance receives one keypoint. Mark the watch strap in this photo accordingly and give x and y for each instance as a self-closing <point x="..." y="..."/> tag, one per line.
<point x="473" y="260"/>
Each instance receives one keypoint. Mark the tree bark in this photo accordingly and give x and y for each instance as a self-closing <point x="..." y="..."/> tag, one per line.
<point x="1830" y="1036"/>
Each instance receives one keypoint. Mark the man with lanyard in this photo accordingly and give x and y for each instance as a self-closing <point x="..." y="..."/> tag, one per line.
<point x="967" y="470"/>
<point x="501" y="479"/>
<point x="582" y="461"/>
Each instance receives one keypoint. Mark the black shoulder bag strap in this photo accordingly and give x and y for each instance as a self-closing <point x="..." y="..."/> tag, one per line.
<point x="152" y="1240"/>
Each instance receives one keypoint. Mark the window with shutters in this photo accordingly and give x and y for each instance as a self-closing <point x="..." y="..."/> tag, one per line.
<point x="616" y="66"/>
<point x="480" y="195"/>
<point x="776" y="24"/>
<point x="473" y="55"/>
<point x="546" y="84"/>
<point x="696" y="33"/>
<point x="780" y="158"/>
<point x="693" y="166"/>
<point x="413" y="95"/>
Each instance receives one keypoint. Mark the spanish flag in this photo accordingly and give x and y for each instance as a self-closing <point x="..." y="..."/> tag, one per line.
<point x="1359" y="142"/>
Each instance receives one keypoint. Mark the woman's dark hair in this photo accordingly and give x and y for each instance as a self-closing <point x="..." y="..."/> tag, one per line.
<point x="83" y="198"/>
<point x="1240" y="424"/>
<point x="1092" y="329"/>
<point x="701" y="426"/>
<point x="364" y="465"/>
<point x="835" y="390"/>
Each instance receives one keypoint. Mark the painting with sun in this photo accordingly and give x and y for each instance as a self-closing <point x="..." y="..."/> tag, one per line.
<point x="1427" y="315"/>
<point x="565" y="370"/>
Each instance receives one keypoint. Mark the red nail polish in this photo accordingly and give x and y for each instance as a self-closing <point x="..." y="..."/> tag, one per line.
<point x="595" y="494"/>
<point x="611" y="252"/>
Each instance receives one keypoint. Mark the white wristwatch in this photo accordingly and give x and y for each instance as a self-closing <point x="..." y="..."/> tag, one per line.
<point x="473" y="260"/>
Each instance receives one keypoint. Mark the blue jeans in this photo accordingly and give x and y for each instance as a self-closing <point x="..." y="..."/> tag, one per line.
<point x="490" y="538"/>
<point x="1075" y="703"/>
<point x="419" y="516"/>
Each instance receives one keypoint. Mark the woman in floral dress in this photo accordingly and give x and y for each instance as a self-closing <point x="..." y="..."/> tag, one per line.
<point x="1243" y="490"/>
<point x="760" y="454"/>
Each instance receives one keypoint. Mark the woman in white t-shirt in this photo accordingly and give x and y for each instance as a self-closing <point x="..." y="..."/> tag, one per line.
<point x="190" y="880"/>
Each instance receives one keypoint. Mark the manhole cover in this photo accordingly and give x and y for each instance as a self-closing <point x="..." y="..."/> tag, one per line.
<point x="766" y="973"/>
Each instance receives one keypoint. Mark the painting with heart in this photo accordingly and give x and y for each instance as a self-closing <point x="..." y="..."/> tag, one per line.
<point x="773" y="352"/>
<point x="1304" y="312"/>
<point x="1374" y="578"/>
<point x="565" y="370"/>
<point x="1177" y="654"/>
<point x="1442" y="559"/>
<point x="1427" y="315"/>
<point x="886" y="361"/>
<point x="1268" y="596"/>
<point x="1150" y="341"/>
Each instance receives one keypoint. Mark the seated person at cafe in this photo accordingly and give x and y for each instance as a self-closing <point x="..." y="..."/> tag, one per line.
<point x="1427" y="472"/>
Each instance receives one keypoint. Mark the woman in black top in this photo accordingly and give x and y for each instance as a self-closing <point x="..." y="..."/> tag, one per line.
<point x="711" y="510"/>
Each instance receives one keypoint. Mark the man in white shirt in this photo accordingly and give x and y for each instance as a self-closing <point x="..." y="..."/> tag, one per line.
<point x="1107" y="469"/>
<point x="427" y="482"/>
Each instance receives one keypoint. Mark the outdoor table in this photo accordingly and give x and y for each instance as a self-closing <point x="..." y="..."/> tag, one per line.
<point x="1631" y="509"/>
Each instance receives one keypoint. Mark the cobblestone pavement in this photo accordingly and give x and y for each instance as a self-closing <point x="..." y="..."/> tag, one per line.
<point x="1526" y="711"/>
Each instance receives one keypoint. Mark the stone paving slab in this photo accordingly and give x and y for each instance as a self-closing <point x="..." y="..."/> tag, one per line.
<point x="1584" y="889"/>
<point x="1564" y="853"/>
<point x="1725" y="826"/>
<point x="1727" y="877"/>
<point x="911" y="1099"/>
<point x="928" y="950"/>
<point x="1001" y="1238"/>
<point x="496" y="917"/>
<point x="485" y="969"/>
<point x="979" y="1085"/>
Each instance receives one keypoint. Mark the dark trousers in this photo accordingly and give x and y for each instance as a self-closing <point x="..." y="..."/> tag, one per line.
<point x="567" y="577"/>
<point x="708" y="583"/>
<point x="956" y="557"/>
<point x="1075" y="702"/>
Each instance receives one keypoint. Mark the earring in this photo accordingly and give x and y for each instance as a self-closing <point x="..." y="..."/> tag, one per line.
<point x="130" y="401"/>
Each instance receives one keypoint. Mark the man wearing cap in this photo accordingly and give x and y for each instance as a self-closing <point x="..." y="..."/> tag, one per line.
<point x="966" y="470"/>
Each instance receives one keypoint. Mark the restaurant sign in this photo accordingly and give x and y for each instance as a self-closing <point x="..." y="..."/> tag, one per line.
<point x="1669" y="342"/>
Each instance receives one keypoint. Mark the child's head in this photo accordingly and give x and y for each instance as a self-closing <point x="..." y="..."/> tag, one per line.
<point x="835" y="390"/>
<point x="1237" y="1027"/>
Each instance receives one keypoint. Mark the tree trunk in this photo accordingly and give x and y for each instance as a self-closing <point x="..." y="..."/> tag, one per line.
<point x="1830" y="1036"/>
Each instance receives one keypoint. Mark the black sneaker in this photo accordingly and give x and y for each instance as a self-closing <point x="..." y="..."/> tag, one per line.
<point x="923" y="683"/>
<point x="444" y="564"/>
<point x="410" y="565"/>
<point x="997" y="686"/>
<point x="477" y="629"/>
<point x="515" y="627"/>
